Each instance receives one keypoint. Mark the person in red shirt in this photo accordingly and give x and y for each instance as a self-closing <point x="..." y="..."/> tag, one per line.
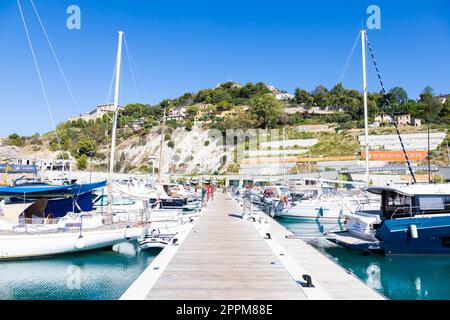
<point x="208" y="192"/>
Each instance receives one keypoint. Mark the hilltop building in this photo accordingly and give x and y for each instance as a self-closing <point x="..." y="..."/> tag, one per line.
<point x="98" y="112"/>
<point x="402" y="120"/>
<point x="280" y="95"/>
<point x="176" y="113"/>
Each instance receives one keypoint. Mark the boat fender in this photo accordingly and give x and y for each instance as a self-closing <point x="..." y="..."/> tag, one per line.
<point x="413" y="231"/>
<point x="126" y="233"/>
<point x="80" y="243"/>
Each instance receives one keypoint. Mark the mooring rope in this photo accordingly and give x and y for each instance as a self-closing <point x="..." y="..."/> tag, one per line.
<point x="44" y="92"/>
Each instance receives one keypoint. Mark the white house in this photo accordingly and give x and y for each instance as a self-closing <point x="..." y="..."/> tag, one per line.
<point x="176" y="113"/>
<point x="444" y="98"/>
<point x="98" y="112"/>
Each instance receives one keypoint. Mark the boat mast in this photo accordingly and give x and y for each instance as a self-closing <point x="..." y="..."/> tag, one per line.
<point x="116" y="111"/>
<point x="161" y="145"/>
<point x="366" y="116"/>
<point x="284" y="156"/>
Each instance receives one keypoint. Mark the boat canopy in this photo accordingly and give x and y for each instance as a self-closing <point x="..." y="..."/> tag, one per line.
<point x="50" y="190"/>
<point x="414" y="189"/>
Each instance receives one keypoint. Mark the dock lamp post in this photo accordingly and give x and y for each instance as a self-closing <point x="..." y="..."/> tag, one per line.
<point x="152" y="158"/>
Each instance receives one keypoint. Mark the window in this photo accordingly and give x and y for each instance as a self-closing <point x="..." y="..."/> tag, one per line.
<point x="431" y="203"/>
<point x="396" y="204"/>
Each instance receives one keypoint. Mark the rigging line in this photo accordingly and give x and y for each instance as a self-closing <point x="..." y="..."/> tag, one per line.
<point x="391" y="111"/>
<point x="39" y="76"/>
<point x="133" y="62"/>
<point x="58" y="63"/>
<point x="131" y="69"/>
<point x="347" y="63"/>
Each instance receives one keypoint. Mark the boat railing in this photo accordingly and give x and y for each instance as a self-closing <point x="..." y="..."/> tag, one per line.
<point x="412" y="211"/>
<point x="369" y="203"/>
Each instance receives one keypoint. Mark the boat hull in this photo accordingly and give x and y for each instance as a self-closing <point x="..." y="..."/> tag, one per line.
<point x="20" y="246"/>
<point x="433" y="236"/>
<point x="395" y="237"/>
<point x="313" y="212"/>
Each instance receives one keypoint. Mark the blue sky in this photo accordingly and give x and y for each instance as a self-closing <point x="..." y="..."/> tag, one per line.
<point x="184" y="46"/>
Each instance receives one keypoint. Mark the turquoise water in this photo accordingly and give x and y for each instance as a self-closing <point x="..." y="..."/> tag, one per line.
<point x="92" y="275"/>
<point x="399" y="278"/>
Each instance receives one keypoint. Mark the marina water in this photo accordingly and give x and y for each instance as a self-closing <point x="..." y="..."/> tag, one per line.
<point x="95" y="275"/>
<point x="396" y="277"/>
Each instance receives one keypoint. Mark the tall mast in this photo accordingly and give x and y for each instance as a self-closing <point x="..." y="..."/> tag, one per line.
<point x="284" y="156"/>
<point x="161" y="146"/>
<point x="116" y="111"/>
<point x="366" y="116"/>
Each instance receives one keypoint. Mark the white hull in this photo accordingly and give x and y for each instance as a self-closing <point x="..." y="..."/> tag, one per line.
<point x="153" y="243"/>
<point x="36" y="245"/>
<point x="314" y="212"/>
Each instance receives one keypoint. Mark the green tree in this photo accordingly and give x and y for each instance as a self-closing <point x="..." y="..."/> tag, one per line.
<point x="397" y="96"/>
<point x="430" y="107"/>
<point x="301" y="96"/>
<point x="87" y="147"/>
<point x="267" y="110"/>
<point x="15" y="140"/>
<point x="82" y="161"/>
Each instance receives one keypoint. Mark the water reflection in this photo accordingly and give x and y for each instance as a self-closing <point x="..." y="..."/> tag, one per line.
<point x="397" y="277"/>
<point x="102" y="274"/>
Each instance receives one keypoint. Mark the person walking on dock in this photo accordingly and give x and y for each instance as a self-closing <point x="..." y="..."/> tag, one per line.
<point x="203" y="194"/>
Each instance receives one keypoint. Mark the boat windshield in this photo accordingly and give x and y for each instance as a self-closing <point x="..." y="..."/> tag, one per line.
<point x="396" y="205"/>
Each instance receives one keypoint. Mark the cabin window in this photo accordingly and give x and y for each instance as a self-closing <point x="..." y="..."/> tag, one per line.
<point x="397" y="204"/>
<point x="431" y="203"/>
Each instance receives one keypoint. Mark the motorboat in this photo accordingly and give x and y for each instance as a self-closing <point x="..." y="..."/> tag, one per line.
<point x="324" y="206"/>
<point x="412" y="219"/>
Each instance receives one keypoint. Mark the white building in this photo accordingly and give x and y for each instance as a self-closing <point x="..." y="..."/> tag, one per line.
<point x="444" y="98"/>
<point x="176" y="113"/>
<point x="383" y="118"/>
<point x="47" y="164"/>
<point x="413" y="141"/>
<point x="98" y="112"/>
<point x="284" y="96"/>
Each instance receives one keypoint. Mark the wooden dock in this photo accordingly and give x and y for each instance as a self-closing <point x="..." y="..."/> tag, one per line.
<point x="226" y="257"/>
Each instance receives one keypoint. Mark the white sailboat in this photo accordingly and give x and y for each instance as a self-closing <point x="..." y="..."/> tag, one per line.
<point x="72" y="233"/>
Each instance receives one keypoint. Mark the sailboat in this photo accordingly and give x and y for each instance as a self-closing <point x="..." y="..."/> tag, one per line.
<point x="75" y="231"/>
<point x="412" y="219"/>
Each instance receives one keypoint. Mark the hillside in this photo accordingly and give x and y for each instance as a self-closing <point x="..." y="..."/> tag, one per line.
<point x="189" y="149"/>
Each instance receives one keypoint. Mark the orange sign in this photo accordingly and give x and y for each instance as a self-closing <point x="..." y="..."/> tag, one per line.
<point x="396" y="156"/>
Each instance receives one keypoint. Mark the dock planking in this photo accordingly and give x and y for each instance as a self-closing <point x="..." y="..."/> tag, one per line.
<point x="224" y="257"/>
